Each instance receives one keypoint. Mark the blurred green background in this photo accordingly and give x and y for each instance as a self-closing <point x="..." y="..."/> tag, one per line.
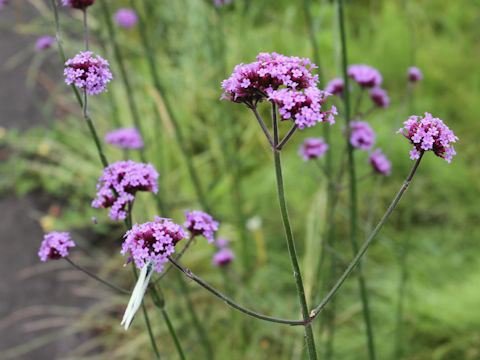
<point x="195" y="47"/>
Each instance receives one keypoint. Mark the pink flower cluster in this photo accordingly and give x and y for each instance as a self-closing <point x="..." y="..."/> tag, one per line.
<point x="364" y="75"/>
<point x="312" y="148"/>
<point x="55" y="245"/>
<point x="200" y="223"/>
<point x="126" y="18"/>
<point x="128" y="138"/>
<point x="335" y="87"/>
<point x="414" y="74"/>
<point x="78" y="4"/>
<point x="86" y="71"/>
<point x="152" y="241"/>
<point x="303" y="107"/>
<point x="44" y="42"/>
<point x="429" y="133"/>
<point x="380" y="97"/>
<point x="224" y="256"/>
<point x="362" y="135"/>
<point x="120" y="182"/>
<point x="380" y="163"/>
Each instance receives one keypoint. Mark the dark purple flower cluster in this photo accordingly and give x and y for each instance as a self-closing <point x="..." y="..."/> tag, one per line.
<point x="335" y="87"/>
<point x="362" y="135"/>
<point x="55" y="245"/>
<point x="414" y="74"/>
<point x="312" y="148"/>
<point x="78" y="4"/>
<point x="365" y="76"/>
<point x="224" y="255"/>
<point x="380" y="163"/>
<point x="152" y="241"/>
<point x="128" y="138"/>
<point x="119" y="183"/>
<point x="200" y="223"/>
<point x="380" y="97"/>
<point x="86" y="71"/>
<point x="429" y="133"/>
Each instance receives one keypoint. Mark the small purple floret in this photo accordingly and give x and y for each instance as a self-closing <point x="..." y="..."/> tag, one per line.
<point x="200" y="223"/>
<point x="119" y="183"/>
<point x="313" y="148"/>
<point x="126" y="18"/>
<point x="128" y="138"/>
<point x="152" y="241"/>
<point x="366" y="76"/>
<point x="44" y="42"/>
<point x="223" y="257"/>
<point x="429" y="133"/>
<point x="380" y="97"/>
<point x="414" y="74"/>
<point x="380" y="163"/>
<point x="335" y="87"/>
<point x="55" y="246"/>
<point x="86" y="71"/>
<point x="362" y="135"/>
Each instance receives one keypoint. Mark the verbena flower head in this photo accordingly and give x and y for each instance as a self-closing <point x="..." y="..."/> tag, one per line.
<point x="87" y="71"/>
<point x="362" y="135"/>
<point x="200" y="223"/>
<point x="250" y="83"/>
<point x="380" y="97"/>
<point x="380" y="163"/>
<point x="223" y="257"/>
<point x="414" y="74"/>
<point x="312" y="148"/>
<point x="128" y="138"/>
<point x="3" y="2"/>
<point x="78" y="4"/>
<point x="55" y="245"/>
<point x="429" y="133"/>
<point x="335" y="87"/>
<point x="120" y="182"/>
<point x="152" y="241"/>
<point x="219" y="3"/>
<point x="126" y="18"/>
<point x="44" y="42"/>
<point x="302" y="107"/>
<point x="221" y="242"/>
<point x="365" y="76"/>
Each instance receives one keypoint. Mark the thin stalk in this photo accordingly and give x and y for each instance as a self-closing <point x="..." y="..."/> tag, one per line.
<point x="363" y="249"/>
<point x="262" y="125"/>
<point x="93" y="276"/>
<point x="85" y="28"/>
<point x="176" y="126"/>
<point x="287" y="137"/>
<point x="177" y="258"/>
<point x="353" y="188"/>
<point x="229" y="301"/>
<point x="309" y="339"/>
<point x="313" y="38"/>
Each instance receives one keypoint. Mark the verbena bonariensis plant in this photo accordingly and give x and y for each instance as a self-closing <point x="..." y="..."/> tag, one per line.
<point x="292" y="90"/>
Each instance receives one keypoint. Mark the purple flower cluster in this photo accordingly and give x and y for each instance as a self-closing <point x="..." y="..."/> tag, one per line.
<point x="3" y="2"/>
<point x="200" y="223"/>
<point x="380" y="163"/>
<point x="414" y="74"/>
<point x="78" y="4"/>
<point x="380" y="97"/>
<point x="303" y="107"/>
<point x="126" y="18"/>
<point x="120" y="182"/>
<point x="55" y="245"/>
<point x="44" y="42"/>
<point x="86" y="71"/>
<point x="250" y="83"/>
<point x="224" y="256"/>
<point x="362" y="135"/>
<point x="152" y="241"/>
<point x="335" y="87"/>
<point x="366" y="76"/>
<point x="429" y="133"/>
<point x="219" y="3"/>
<point x="312" y="148"/>
<point x="128" y="138"/>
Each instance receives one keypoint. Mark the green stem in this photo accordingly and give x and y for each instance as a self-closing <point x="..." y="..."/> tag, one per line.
<point x="309" y="339"/>
<point x="363" y="249"/>
<point x="313" y="38"/>
<point x="353" y="187"/>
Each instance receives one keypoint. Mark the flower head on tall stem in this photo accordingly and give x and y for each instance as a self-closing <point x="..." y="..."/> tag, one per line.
<point x="78" y="4"/>
<point x="429" y="133"/>
<point x="380" y="97"/>
<point x="55" y="245"/>
<point x="364" y="75"/>
<point x="127" y="138"/>
<point x="313" y="148"/>
<point x="152" y="241"/>
<point x="380" y="163"/>
<point x="200" y="223"/>
<point x="362" y="135"/>
<point x="87" y="71"/>
<point x="120" y="182"/>
<point x="414" y="74"/>
<point x="126" y="18"/>
<point x="44" y="42"/>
